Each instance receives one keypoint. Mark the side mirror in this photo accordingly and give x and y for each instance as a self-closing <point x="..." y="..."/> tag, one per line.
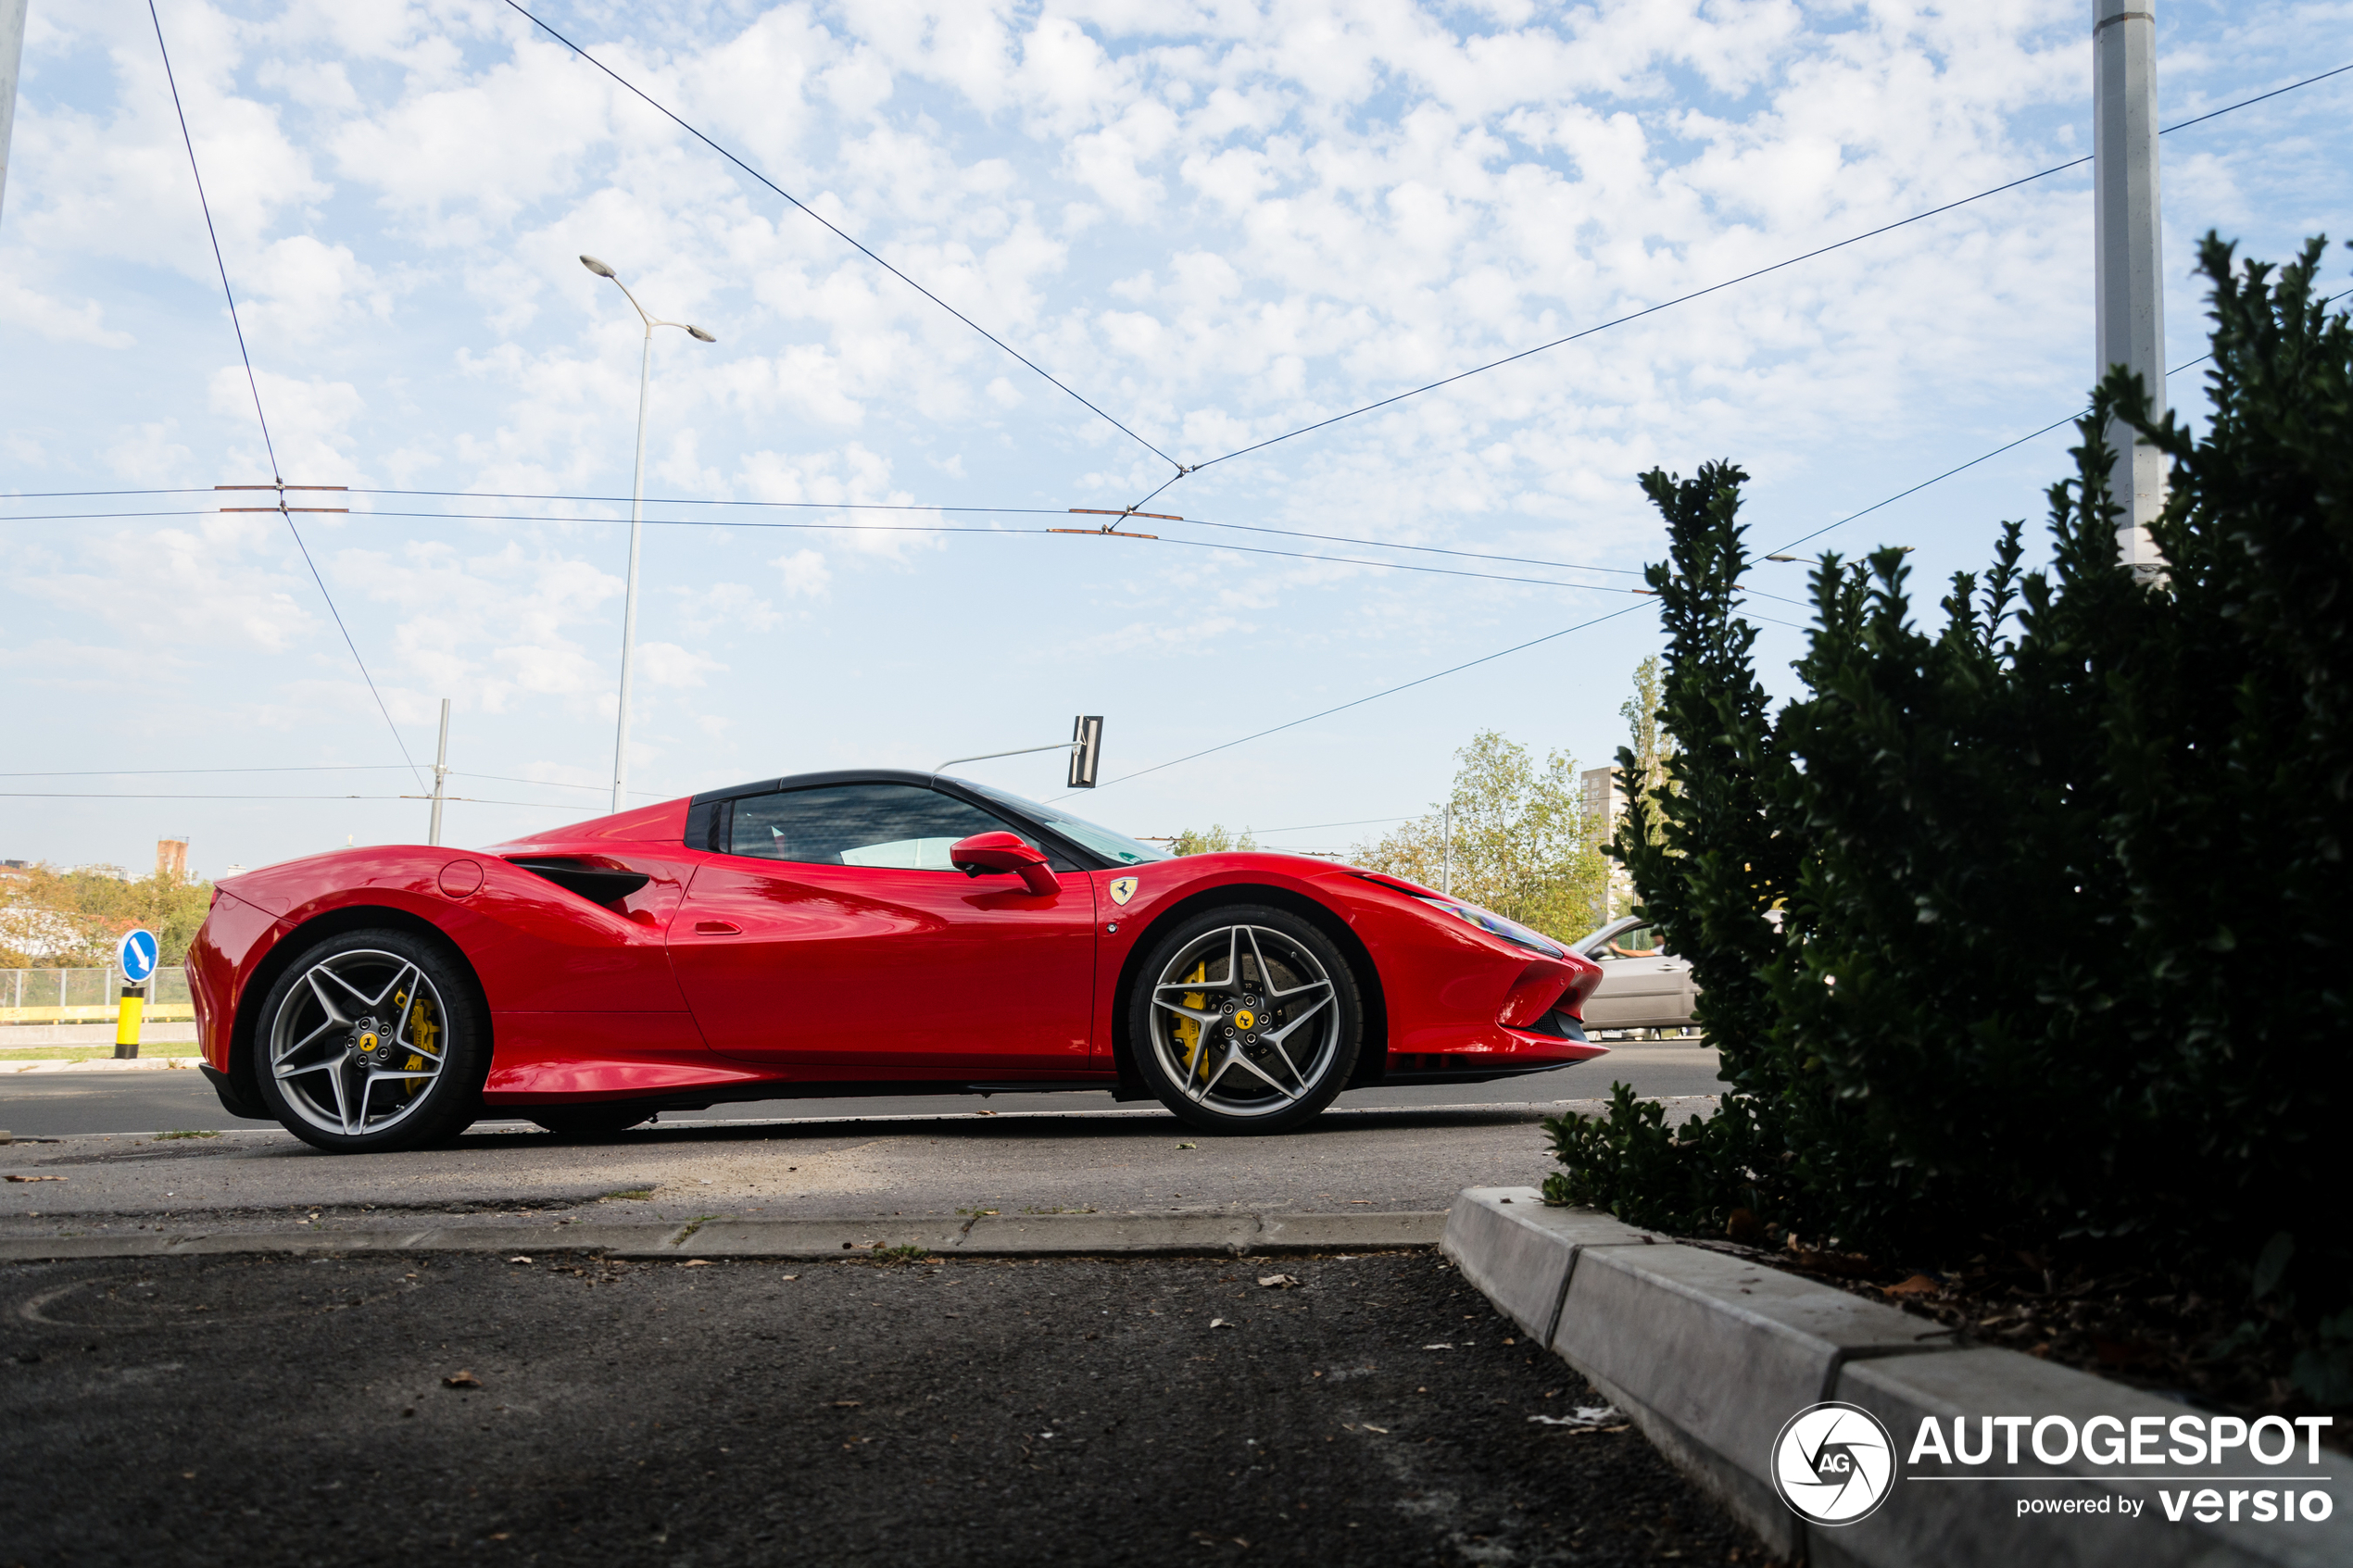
<point x="1003" y="852"/>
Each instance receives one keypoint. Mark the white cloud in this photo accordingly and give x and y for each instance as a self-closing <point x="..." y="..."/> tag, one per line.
<point x="805" y="574"/>
<point x="56" y="320"/>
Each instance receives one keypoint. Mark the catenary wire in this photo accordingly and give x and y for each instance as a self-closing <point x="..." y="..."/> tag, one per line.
<point x="839" y="233"/>
<point x="827" y="506"/>
<point x="1376" y="697"/>
<point x="940" y="528"/>
<point x="254" y="386"/>
<point x="105" y="795"/>
<point x="1729" y="283"/>
<point x="1001" y="511"/>
<point x="2324" y="302"/>
<point x="1612" y="615"/>
<point x="171" y="773"/>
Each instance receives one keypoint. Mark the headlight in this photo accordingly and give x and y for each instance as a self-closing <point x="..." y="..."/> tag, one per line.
<point x="1496" y="925"/>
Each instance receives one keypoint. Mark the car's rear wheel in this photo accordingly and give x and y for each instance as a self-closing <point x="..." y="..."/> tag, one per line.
<point x="373" y="1041"/>
<point x="1247" y="1019"/>
<point x="602" y="1119"/>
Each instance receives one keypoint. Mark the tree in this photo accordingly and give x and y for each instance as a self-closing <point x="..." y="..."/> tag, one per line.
<point x="1652" y="749"/>
<point x="57" y="919"/>
<point x="1521" y="844"/>
<point x="1218" y="839"/>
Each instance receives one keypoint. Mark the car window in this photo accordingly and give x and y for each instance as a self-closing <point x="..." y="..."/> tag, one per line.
<point x="1634" y="942"/>
<point x="898" y="826"/>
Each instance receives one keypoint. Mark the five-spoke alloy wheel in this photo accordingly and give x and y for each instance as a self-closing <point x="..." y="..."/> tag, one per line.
<point x="369" y="1041"/>
<point x="1248" y="1020"/>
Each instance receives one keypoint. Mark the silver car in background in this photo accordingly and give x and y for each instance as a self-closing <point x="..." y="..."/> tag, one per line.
<point x="1643" y="986"/>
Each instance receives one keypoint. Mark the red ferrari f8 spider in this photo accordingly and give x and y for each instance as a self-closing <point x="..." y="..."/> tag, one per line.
<point x="847" y="933"/>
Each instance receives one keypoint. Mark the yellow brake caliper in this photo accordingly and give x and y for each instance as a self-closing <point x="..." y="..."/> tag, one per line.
<point x="422" y="1030"/>
<point x="1188" y="1030"/>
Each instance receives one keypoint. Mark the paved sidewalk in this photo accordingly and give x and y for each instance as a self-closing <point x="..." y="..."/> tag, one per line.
<point x="399" y="1409"/>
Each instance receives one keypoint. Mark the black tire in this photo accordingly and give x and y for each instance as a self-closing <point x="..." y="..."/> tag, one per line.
<point x="1270" y="1035"/>
<point x="599" y="1118"/>
<point x="372" y="1041"/>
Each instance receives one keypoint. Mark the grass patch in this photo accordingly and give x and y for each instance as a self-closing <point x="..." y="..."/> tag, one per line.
<point x="628" y="1194"/>
<point x="189" y="1133"/>
<point x="914" y="1252"/>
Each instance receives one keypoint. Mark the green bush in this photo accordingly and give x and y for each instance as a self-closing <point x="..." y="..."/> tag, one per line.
<point x="2037" y="924"/>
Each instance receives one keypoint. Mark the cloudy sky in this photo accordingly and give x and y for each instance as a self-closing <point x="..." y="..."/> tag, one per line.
<point x="1217" y="222"/>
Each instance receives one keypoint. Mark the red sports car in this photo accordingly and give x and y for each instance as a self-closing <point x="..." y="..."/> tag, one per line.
<point x="847" y="933"/>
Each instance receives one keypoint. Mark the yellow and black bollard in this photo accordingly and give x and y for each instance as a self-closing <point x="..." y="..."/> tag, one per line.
<point x="131" y="1006"/>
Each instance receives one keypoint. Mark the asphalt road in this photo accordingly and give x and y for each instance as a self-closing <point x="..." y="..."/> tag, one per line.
<point x="56" y="1104"/>
<point x="263" y="1411"/>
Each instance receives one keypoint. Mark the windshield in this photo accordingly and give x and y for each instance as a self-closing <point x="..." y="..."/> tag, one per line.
<point x="1113" y="847"/>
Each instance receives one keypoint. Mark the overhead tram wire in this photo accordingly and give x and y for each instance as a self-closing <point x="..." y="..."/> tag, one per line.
<point x="1038" y="533"/>
<point x="174" y="772"/>
<point x="944" y="528"/>
<point x="998" y="511"/>
<point x="1729" y="283"/>
<point x="1408" y="685"/>
<point x="803" y="506"/>
<point x="2008" y="445"/>
<point x="1376" y="697"/>
<point x="841" y="234"/>
<point x="254" y="386"/>
<point x="133" y="795"/>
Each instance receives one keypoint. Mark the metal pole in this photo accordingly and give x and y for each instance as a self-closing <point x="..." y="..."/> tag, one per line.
<point x="629" y="603"/>
<point x="11" y="57"/>
<point x="440" y="773"/>
<point x="2129" y="256"/>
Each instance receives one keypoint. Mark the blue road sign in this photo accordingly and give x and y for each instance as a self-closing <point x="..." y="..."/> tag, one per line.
<point x="136" y="955"/>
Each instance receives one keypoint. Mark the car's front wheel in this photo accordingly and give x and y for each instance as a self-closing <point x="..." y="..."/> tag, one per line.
<point x="1247" y="1019"/>
<point x="373" y="1041"/>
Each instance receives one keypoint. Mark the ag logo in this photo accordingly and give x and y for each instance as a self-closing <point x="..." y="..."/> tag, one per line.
<point x="1834" y="1464"/>
<point x="1122" y="889"/>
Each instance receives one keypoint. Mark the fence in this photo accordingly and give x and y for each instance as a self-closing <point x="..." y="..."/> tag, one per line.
<point x="87" y="996"/>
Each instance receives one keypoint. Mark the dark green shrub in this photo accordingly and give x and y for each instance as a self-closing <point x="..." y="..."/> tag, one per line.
<point x="2065" y="930"/>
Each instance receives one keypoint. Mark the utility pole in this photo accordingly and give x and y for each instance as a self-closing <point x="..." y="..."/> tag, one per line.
<point x="2128" y="257"/>
<point x="440" y="775"/>
<point x="11" y="59"/>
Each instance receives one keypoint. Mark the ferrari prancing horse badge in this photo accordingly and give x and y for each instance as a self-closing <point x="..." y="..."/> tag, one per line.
<point x="1122" y="889"/>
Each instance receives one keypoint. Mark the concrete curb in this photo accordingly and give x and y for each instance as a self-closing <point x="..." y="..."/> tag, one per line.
<point x="1711" y="1355"/>
<point x="987" y="1236"/>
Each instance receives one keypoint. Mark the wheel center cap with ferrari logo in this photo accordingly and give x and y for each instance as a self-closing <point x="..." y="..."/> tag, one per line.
<point x="1245" y="1019"/>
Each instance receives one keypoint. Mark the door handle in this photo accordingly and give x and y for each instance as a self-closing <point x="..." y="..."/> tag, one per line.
<point x="717" y="928"/>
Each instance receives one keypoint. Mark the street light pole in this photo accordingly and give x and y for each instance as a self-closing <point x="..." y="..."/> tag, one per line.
<point x="2128" y="257"/>
<point x="637" y="520"/>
